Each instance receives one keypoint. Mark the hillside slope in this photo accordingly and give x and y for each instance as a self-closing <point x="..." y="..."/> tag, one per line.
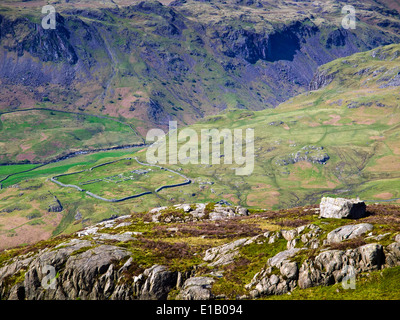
<point x="341" y="138"/>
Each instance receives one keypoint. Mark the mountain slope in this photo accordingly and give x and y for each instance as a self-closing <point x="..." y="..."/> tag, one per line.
<point x="149" y="62"/>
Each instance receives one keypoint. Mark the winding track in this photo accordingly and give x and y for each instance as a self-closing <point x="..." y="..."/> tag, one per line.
<point x="54" y="179"/>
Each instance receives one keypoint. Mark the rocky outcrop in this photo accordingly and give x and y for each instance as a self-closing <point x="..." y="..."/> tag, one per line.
<point x="321" y="79"/>
<point x="327" y="268"/>
<point x="348" y="232"/>
<point x="82" y="271"/>
<point x="224" y="254"/>
<point x="103" y="261"/>
<point x="86" y="269"/>
<point x="331" y="266"/>
<point x="296" y="267"/>
<point x="342" y="208"/>
<point x="196" y="212"/>
<point x="313" y="154"/>
<point x="197" y="288"/>
<point x="55" y="205"/>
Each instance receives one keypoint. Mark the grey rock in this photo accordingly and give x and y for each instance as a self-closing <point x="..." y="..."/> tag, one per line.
<point x="158" y="282"/>
<point x="330" y="266"/>
<point x="289" y="234"/>
<point x="241" y="211"/>
<point x="290" y="270"/>
<point x="55" y="205"/>
<point x="392" y="254"/>
<point x="321" y="79"/>
<point x="372" y="256"/>
<point x="282" y="256"/>
<point x="78" y="215"/>
<point x="348" y="232"/>
<point x="342" y="208"/>
<point x="267" y="283"/>
<point x="85" y="270"/>
<point x="127" y="236"/>
<point x="122" y="224"/>
<point x="197" y="288"/>
<point x="274" y="236"/>
<point x="219" y="212"/>
<point x="224" y="254"/>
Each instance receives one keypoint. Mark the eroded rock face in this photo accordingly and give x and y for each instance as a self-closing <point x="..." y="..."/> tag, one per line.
<point x="342" y="208"/>
<point x="268" y="282"/>
<point x="93" y="274"/>
<point x="197" y="288"/>
<point x="224" y="254"/>
<point x="86" y="269"/>
<point x="85" y="275"/>
<point x="331" y="266"/>
<point x="326" y="268"/>
<point x="157" y="282"/>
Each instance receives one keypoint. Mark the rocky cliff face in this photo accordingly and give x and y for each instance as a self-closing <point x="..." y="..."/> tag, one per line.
<point x="168" y="60"/>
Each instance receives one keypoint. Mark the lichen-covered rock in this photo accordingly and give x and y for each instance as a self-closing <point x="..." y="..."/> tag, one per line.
<point x="392" y="254"/>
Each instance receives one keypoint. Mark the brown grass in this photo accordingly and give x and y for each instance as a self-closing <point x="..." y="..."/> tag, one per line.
<point x="225" y="229"/>
<point x="180" y="250"/>
<point x="387" y="215"/>
<point x="350" y="244"/>
<point x="334" y="121"/>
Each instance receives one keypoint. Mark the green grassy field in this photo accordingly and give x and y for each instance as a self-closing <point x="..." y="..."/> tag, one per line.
<point x="5" y="170"/>
<point x="43" y="135"/>
<point x="121" y="179"/>
<point x="81" y="162"/>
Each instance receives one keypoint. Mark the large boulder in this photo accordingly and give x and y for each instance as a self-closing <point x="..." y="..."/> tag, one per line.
<point x="340" y="208"/>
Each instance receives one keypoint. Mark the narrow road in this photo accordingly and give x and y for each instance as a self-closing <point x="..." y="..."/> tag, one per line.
<point x="188" y="181"/>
